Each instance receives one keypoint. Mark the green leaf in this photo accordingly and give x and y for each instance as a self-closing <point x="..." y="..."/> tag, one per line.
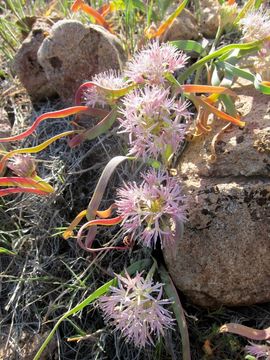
<point x="6" y="251"/>
<point x="171" y="292"/>
<point x="132" y="269"/>
<point x="216" y="54"/>
<point x="102" y="127"/>
<point x="237" y="72"/>
<point x="189" y="45"/>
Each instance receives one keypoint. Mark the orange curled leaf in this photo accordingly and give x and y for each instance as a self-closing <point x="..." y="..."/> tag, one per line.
<point x="81" y="5"/>
<point x="104" y="214"/>
<point x="49" y="115"/>
<point x="106" y="222"/>
<point x="212" y="109"/>
<point x="69" y="231"/>
<point x="152" y="33"/>
<point x="207" y="89"/>
<point x="246" y="331"/>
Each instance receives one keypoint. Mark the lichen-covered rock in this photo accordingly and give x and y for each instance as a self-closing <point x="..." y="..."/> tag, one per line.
<point x="224" y="255"/>
<point x="26" y="65"/>
<point x="73" y="53"/>
<point x="184" y="27"/>
<point x="209" y="17"/>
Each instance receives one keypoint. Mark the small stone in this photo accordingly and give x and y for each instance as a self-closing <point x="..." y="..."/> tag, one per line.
<point x="209" y="17"/>
<point x="26" y="65"/>
<point x="184" y="27"/>
<point x="5" y="126"/>
<point x="224" y="255"/>
<point x="73" y="53"/>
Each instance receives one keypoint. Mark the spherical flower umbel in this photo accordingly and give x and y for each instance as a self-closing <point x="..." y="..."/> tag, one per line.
<point x="22" y="165"/>
<point x="261" y="352"/>
<point x="152" y="120"/>
<point x="153" y="62"/>
<point x="136" y="308"/>
<point x="256" y="25"/>
<point x="151" y="209"/>
<point x="94" y="95"/>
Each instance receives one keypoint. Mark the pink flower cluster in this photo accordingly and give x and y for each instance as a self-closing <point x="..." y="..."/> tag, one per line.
<point x="150" y="209"/>
<point x="261" y="352"/>
<point x="136" y="309"/>
<point x="22" y="165"/>
<point x="151" y="64"/>
<point x="111" y="79"/>
<point x="152" y="120"/>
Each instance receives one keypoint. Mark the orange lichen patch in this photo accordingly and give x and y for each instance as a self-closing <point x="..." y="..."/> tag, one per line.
<point x="231" y="2"/>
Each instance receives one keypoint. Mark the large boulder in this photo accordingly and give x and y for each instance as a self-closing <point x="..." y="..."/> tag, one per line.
<point x="224" y="255"/>
<point x="73" y="53"/>
<point x="26" y="65"/>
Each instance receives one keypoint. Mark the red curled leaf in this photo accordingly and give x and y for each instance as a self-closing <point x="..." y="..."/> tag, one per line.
<point x="49" y="115"/>
<point x="26" y="183"/>
<point x="105" y="222"/>
<point x="4" y="192"/>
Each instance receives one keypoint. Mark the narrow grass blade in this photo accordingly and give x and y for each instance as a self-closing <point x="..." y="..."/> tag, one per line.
<point x="248" y="6"/>
<point x="136" y="267"/>
<point x="6" y="251"/>
<point x="178" y="311"/>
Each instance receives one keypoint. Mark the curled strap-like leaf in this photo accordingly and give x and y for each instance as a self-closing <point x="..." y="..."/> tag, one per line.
<point x="81" y="5"/>
<point x="49" y="115"/>
<point x="105" y="222"/>
<point x="246" y="331"/>
<point x="207" y="89"/>
<point x="101" y="214"/>
<point x="97" y="130"/>
<point x="34" y="149"/>
<point x="151" y="33"/>
<point x="26" y="183"/>
<point x="5" y="192"/>
<point x="212" y="109"/>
